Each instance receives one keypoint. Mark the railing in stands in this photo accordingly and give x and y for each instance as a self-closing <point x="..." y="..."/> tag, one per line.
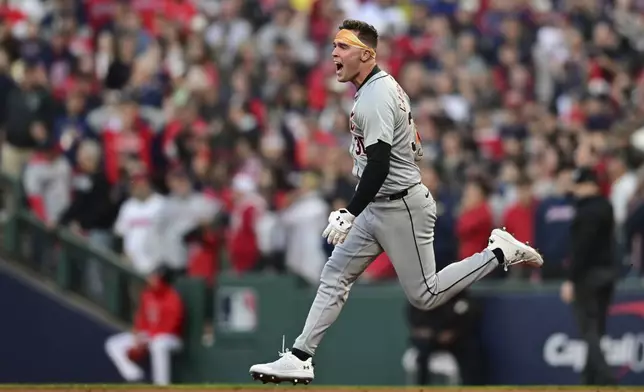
<point x="69" y="260"/>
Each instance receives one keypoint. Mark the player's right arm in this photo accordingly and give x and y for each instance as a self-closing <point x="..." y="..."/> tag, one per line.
<point x="376" y="117"/>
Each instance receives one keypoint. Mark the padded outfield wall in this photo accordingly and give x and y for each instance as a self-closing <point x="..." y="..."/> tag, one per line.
<point x="529" y="336"/>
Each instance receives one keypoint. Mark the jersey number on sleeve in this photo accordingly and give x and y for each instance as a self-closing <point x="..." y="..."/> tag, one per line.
<point x="359" y="141"/>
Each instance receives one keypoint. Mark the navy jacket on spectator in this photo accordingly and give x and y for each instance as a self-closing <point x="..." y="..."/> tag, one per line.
<point x="552" y="232"/>
<point x="23" y="108"/>
<point x="94" y="205"/>
<point x="69" y="132"/>
<point x="445" y="240"/>
<point x="6" y="86"/>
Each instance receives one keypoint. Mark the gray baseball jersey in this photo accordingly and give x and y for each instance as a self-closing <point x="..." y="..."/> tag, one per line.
<point x="382" y="111"/>
<point x="403" y="228"/>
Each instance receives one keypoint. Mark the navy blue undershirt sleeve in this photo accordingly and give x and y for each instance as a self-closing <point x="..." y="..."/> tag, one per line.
<point x="374" y="175"/>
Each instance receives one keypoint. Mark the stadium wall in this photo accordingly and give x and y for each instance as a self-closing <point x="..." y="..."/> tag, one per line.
<point x="45" y="340"/>
<point x="528" y="334"/>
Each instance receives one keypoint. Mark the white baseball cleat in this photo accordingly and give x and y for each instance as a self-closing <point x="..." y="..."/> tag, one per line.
<point x="287" y="368"/>
<point x="514" y="251"/>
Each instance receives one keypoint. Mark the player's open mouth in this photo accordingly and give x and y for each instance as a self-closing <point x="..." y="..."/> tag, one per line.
<point x="338" y="67"/>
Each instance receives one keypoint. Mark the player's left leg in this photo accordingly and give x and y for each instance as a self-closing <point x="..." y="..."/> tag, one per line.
<point x="161" y="349"/>
<point x="405" y="229"/>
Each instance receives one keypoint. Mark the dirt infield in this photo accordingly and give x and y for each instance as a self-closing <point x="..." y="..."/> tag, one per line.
<point x="365" y="389"/>
<point x="255" y="388"/>
<point x="360" y="389"/>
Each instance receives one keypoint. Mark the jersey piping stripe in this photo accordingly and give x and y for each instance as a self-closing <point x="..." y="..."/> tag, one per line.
<point x="420" y="262"/>
<point x="372" y="81"/>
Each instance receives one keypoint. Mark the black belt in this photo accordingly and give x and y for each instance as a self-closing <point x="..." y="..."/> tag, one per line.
<point x="395" y="196"/>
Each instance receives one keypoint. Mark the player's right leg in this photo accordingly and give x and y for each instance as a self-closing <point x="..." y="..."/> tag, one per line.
<point x="345" y="265"/>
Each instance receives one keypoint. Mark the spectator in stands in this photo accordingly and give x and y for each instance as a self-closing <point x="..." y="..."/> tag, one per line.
<point x="205" y="243"/>
<point x="242" y="238"/>
<point x="28" y="117"/>
<point x="553" y="218"/>
<point x="588" y="154"/>
<point x="623" y="187"/>
<point x="183" y="211"/>
<point x="445" y="240"/>
<point x="71" y="128"/>
<point x="120" y="69"/>
<point x="270" y="230"/>
<point x="139" y="224"/>
<point x="126" y="138"/>
<point x="47" y="184"/>
<point x="157" y="331"/>
<point x="179" y="138"/>
<point x="449" y="328"/>
<point x="302" y="221"/>
<point x="453" y="160"/>
<point x="231" y="87"/>
<point x="519" y="216"/>
<point x="624" y="184"/>
<point x="94" y="207"/>
<point x="475" y="218"/>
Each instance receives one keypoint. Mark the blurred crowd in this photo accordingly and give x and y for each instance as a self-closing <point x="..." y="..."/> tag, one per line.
<point x="209" y="134"/>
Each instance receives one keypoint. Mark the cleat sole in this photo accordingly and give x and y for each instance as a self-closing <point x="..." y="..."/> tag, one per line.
<point x="265" y="379"/>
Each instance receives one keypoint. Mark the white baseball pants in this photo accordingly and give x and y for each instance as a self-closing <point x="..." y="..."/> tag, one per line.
<point x="160" y="347"/>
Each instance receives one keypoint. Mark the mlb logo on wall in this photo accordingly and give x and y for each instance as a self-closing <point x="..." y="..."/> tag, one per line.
<point x="623" y="346"/>
<point x="237" y="309"/>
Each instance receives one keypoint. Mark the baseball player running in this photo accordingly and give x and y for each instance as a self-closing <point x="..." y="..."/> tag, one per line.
<point x="391" y="210"/>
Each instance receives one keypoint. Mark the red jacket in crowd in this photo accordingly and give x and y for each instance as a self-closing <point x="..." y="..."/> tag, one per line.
<point x="160" y="311"/>
<point x="102" y="12"/>
<point x="119" y="143"/>
<point x="381" y="268"/>
<point x="12" y="15"/>
<point x="203" y="257"/>
<point x="519" y="220"/>
<point x="473" y="228"/>
<point x="243" y="248"/>
<point x="172" y="132"/>
<point x="99" y="12"/>
<point x="203" y="254"/>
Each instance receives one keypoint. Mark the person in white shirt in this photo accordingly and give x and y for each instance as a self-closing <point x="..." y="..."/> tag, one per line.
<point x="184" y="211"/>
<point x="624" y="184"/>
<point x="138" y="223"/>
<point x="302" y="220"/>
<point x="385" y="15"/>
<point x="623" y="188"/>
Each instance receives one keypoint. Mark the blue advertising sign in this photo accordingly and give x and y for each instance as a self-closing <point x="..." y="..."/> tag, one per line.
<point x="533" y="339"/>
<point x="47" y="341"/>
